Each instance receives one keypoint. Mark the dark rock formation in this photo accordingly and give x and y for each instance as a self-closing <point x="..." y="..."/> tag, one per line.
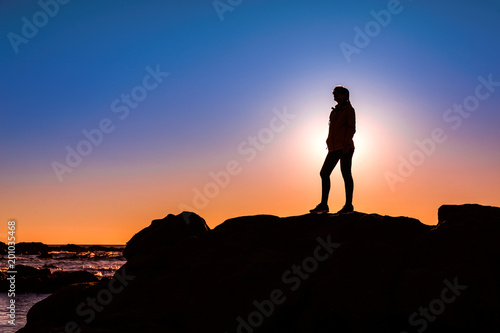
<point x="313" y="273"/>
<point x="3" y="248"/>
<point x="32" y="248"/>
<point x="165" y="233"/>
<point x="34" y="280"/>
<point x="69" y="248"/>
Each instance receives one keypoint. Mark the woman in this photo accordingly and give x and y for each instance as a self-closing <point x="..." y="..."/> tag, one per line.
<point x="340" y="147"/>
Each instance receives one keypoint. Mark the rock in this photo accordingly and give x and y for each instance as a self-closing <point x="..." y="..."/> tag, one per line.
<point x="61" y="278"/>
<point x="64" y="301"/>
<point x="462" y="250"/>
<point x="469" y="214"/>
<point x="69" y="248"/>
<point x="164" y="233"/>
<point x="35" y="280"/>
<point x="27" y="271"/>
<point x="3" y="248"/>
<point x="32" y="248"/>
<point x="313" y="273"/>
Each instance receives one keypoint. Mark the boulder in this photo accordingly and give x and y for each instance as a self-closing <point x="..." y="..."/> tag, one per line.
<point x="32" y="248"/>
<point x="34" y="280"/>
<point x="70" y="248"/>
<point x="165" y="232"/>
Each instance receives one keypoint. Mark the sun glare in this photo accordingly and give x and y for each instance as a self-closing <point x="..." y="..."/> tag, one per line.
<point x="313" y="137"/>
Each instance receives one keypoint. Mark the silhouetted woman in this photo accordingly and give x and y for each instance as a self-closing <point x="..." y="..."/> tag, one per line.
<point x="340" y="147"/>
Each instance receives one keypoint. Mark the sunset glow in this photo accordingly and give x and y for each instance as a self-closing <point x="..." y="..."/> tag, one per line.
<point x="118" y="113"/>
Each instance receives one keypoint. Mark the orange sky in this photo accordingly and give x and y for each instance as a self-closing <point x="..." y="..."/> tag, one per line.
<point x="107" y="204"/>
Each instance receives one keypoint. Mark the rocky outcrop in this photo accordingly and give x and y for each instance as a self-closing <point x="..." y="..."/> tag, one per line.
<point x="314" y="273"/>
<point x="32" y="248"/>
<point x="164" y="233"/>
<point x="3" y="248"/>
<point x="34" y="280"/>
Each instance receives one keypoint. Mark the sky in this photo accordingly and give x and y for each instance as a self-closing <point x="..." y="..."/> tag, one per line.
<point x="115" y="113"/>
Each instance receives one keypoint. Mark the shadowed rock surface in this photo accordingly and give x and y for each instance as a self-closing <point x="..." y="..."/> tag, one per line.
<point x="35" y="280"/>
<point x="313" y="273"/>
<point x="32" y="248"/>
<point x="3" y="248"/>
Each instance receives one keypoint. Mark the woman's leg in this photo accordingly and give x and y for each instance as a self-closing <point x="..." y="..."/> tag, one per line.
<point x="345" y="168"/>
<point x="330" y="162"/>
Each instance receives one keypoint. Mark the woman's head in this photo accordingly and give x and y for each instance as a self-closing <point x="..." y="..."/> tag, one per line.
<point x="340" y="94"/>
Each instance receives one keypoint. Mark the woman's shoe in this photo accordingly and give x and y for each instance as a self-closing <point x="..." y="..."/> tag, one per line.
<point x="320" y="209"/>
<point x="346" y="209"/>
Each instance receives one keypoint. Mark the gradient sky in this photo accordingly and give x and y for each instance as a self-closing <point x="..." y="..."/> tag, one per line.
<point x="246" y="101"/>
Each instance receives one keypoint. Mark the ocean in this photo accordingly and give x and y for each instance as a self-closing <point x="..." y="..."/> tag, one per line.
<point x="101" y="263"/>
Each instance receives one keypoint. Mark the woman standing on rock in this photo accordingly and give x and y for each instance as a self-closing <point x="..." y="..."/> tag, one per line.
<point x="340" y="147"/>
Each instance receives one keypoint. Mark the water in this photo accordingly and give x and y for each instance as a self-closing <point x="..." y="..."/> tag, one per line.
<point x="99" y="263"/>
<point x="23" y="303"/>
